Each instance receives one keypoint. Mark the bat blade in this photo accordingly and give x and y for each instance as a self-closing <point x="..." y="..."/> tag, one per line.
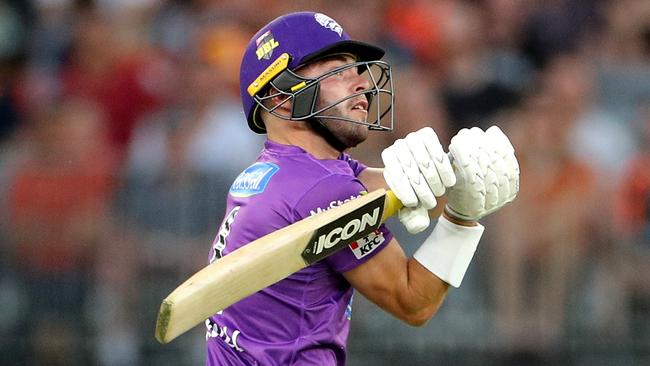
<point x="270" y="259"/>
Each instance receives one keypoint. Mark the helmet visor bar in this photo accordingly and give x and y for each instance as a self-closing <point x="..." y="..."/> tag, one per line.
<point x="379" y="95"/>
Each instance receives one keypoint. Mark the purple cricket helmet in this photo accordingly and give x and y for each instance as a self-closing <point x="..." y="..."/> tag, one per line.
<point x="296" y="39"/>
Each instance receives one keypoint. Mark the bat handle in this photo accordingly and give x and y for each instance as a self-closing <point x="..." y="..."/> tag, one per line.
<point x="391" y="205"/>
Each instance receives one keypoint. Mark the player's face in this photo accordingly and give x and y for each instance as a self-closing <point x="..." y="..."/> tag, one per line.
<point x="335" y="88"/>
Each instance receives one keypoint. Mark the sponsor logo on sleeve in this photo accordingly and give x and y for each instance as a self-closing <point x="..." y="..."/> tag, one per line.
<point x="333" y="204"/>
<point x="253" y="180"/>
<point x="367" y="245"/>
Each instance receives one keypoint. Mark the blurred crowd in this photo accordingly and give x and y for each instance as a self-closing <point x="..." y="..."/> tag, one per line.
<point x="121" y="130"/>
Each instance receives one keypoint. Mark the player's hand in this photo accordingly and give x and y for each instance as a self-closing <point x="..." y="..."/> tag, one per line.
<point x="417" y="170"/>
<point x="487" y="173"/>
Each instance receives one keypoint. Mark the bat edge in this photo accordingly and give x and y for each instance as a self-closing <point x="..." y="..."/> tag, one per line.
<point x="162" y="323"/>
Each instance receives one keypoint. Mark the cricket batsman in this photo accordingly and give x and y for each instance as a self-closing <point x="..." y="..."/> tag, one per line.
<point x="316" y="93"/>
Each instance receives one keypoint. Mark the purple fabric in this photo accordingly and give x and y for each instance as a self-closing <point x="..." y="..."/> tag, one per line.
<point x="305" y="318"/>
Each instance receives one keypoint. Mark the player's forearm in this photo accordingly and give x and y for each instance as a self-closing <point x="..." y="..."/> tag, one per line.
<point x="399" y="285"/>
<point x="412" y="294"/>
<point x="423" y="295"/>
<point x="441" y="261"/>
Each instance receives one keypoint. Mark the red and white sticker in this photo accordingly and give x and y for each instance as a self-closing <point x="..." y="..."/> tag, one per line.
<point x="365" y="246"/>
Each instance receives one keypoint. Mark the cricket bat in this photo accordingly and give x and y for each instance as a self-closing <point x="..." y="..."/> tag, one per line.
<point x="270" y="259"/>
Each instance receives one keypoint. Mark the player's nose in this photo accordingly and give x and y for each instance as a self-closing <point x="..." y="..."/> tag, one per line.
<point x="361" y="83"/>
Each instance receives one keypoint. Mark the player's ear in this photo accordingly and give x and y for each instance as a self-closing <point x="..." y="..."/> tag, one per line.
<point x="281" y="102"/>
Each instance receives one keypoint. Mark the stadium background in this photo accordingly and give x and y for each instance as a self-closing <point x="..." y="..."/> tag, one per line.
<point x="120" y="132"/>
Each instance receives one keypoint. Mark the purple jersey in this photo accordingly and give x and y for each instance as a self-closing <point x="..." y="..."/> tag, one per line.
<point x="305" y="318"/>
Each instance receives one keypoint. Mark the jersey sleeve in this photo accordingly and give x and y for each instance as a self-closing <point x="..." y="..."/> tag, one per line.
<point x="333" y="191"/>
<point x="356" y="165"/>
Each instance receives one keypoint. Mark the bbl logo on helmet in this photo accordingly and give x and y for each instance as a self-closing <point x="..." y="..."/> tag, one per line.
<point x="329" y="23"/>
<point x="265" y="45"/>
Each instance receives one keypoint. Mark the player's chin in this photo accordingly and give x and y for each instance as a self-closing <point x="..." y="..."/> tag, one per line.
<point x="358" y="135"/>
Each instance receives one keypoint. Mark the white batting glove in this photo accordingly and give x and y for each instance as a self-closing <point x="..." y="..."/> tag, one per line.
<point x="415" y="219"/>
<point x="505" y="165"/>
<point x="417" y="170"/>
<point x="486" y="170"/>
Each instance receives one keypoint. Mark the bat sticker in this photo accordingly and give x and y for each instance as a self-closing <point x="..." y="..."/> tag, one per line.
<point x="344" y="231"/>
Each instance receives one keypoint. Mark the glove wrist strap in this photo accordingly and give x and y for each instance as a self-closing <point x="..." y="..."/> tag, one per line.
<point x="449" y="249"/>
<point x="457" y="215"/>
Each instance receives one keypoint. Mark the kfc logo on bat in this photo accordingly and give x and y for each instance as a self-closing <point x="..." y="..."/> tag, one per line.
<point x="367" y="245"/>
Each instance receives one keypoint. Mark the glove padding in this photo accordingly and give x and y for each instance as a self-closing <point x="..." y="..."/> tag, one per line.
<point x="487" y="173"/>
<point x="415" y="219"/>
<point x="417" y="170"/>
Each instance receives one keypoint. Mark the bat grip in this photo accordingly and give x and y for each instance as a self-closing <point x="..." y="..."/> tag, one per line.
<point x="391" y="205"/>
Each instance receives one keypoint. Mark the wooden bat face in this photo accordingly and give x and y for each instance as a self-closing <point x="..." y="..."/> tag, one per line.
<point x="270" y="259"/>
